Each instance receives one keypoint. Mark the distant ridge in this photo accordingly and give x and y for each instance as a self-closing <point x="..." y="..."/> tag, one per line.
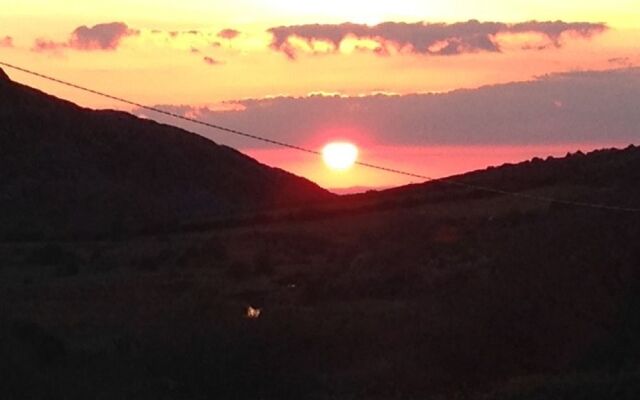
<point x="357" y="189"/>
<point x="605" y="179"/>
<point x="67" y="169"/>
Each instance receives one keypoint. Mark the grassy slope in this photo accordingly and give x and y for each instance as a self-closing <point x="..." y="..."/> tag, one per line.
<point x="425" y="292"/>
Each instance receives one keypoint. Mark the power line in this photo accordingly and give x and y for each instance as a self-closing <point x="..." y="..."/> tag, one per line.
<point x="158" y="110"/>
<point x="447" y="181"/>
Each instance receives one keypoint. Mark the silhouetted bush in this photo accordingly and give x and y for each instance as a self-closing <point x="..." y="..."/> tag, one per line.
<point x="263" y="263"/>
<point x="52" y="255"/>
<point x="148" y="263"/>
<point x="239" y="270"/>
<point x="66" y="270"/>
<point x="42" y="347"/>
<point x="211" y="254"/>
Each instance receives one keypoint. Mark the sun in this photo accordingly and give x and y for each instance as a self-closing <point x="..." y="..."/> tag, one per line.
<point x="340" y="156"/>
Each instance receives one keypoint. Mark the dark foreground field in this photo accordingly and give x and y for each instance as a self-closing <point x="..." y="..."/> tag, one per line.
<point x="487" y="298"/>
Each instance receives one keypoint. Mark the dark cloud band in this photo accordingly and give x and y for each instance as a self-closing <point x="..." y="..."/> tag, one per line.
<point x="427" y="38"/>
<point x="577" y="107"/>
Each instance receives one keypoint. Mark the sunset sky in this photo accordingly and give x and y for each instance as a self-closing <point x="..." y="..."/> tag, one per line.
<point x="434" y="88"/>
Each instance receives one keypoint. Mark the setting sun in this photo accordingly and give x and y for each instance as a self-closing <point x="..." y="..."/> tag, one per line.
<point x="340" y="156"/>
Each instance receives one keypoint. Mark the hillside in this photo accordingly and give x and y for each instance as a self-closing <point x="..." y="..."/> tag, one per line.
<point x="67" y="169"/>
<point x="604" y="177"/>
<point x="428" y="291"/>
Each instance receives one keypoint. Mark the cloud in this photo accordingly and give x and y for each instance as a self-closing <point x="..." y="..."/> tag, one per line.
<point x="211" y="61"/>
<point x="175" y="34"/>
<point x="101" y="36"/>
<point x="228" y="34"/>
<point x="44" y="45"/>
<point x="104" y="37"/>
<point x="554" y="30"/>
<point x="6" y="41"/>
<point x="426" y="38"/>
<point x="197" y="40"/>
<point x="568" y="108"/>
<point x="621" y="62"/>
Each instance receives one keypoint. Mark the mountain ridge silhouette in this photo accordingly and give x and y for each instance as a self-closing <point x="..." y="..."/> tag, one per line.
<point x="73" y="169"/>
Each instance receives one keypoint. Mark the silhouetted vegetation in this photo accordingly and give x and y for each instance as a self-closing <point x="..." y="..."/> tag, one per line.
<point x="464" y="300"/>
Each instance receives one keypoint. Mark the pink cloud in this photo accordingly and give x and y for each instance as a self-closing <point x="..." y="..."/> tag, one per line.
<point x="42" y="45"/>
<point x="105" y="37"/>
<point x="211" y="61"/>
<point x="101" y="36"/>
<point x="175" y="34"/>
<point x="427" y="38"/>
<point x="228" y="34"/>
<point x="7" y="41"/>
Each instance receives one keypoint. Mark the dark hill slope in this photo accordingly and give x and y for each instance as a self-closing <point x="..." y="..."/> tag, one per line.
<point x="67" y="169"/>
<point x="607" y="177"/>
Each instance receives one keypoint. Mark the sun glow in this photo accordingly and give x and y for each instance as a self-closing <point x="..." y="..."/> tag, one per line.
<point x="340" y="156"/>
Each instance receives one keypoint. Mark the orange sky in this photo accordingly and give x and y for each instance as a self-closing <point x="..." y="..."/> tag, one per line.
<point x="157" y="67"/>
